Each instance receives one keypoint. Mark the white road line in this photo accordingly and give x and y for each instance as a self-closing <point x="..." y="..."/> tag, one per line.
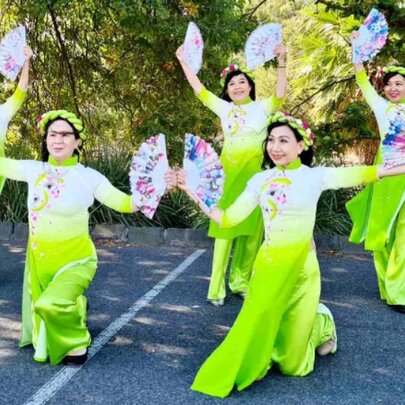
<point x="49" y="389"/>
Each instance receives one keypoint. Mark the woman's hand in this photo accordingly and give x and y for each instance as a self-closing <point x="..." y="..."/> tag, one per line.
<point x="27" y="53"/>
<point x="170" y="179"/>
<point x="181" y="184"/>
<point x="358" y="67"/>
<point x="180" y="53"/>
<point x="281" y="85"/>
<point x="353" y="36"/>
<point x="191" y="77"/>
<point x="280" y="52"/>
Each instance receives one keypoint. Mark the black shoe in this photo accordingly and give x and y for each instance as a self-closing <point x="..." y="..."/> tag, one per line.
<point x="398" y="308"/>
<point x="75" y="360"/>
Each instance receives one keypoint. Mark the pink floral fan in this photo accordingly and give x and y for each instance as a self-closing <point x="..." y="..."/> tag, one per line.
<point x="193" y="47"/>
<point x="259" y="47"/>
<point x="12" y="52"/>
<point x="203" y="169"/>
<point x="148" y="168"/>
<point x="393" y="146"/>
<point x="373" y="34"/>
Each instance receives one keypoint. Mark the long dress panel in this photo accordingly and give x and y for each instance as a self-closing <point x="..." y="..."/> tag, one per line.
<point x="288" y="200"/>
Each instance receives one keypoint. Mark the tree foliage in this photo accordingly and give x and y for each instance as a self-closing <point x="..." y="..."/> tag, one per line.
<point x="113" y="63"/>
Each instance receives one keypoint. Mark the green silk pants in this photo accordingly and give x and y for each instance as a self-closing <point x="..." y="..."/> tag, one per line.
<point x="278" y="323"/>
<point x="60" y="313"/>
<point x="390" y="264"/>
<point x="244" y="254"/>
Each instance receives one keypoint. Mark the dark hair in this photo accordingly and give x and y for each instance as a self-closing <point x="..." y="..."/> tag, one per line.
<point x="306" y="156"/>
<point x="225" y="95"/>
<point x="388" y="76"/>
<point x="44" y="150"/>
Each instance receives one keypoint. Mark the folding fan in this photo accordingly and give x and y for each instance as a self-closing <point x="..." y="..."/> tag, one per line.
<point x="193" y="47"/>
<point x="393" y="146"/>
<point x="12" y="52"/>
<point x="203" y="170"/>
<point x="259" y="47"/>
<point x="373" y="34"/>
<point x="148" y="168"/>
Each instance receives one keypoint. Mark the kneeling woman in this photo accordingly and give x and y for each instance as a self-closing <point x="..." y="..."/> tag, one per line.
<point x="61" y="259"/>
<point x="281" y="320"/>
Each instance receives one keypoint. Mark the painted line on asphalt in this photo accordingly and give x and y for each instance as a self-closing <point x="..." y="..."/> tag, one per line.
<point x="49" y="389"/>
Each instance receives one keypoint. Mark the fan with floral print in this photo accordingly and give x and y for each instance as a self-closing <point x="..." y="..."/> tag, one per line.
<point x="393" y="146"/>
<point x="148" y="168"/>
<point x="12" y="52"/>
<point x="373" y="34"/>
<point x="204" y="174"/>
<point x="259" y="47"/>
<point x="193" y="47"/>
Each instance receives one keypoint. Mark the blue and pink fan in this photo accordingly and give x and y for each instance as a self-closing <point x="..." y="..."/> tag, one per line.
<point x="203" y="169"/>
<point x="373" y="34"/>
<point x="393" y="146"/>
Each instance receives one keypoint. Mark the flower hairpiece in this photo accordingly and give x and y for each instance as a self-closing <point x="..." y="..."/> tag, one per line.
<point x="232" y="68"/>
<point x="302" y="127"/>
<point x="394" y="69"/>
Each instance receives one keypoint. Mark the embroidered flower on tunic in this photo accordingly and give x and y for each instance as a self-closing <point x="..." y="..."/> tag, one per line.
<point x="236" y="119"/>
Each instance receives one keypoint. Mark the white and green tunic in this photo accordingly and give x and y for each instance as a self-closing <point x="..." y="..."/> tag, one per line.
<point x="244" y="127"/>
<point x="7" y="111"/>
<point x="278" y="321"/>
<point x="378" y="212"/>
<point x="61" y="259"/>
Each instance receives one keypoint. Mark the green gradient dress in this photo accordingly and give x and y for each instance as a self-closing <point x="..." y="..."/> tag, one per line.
<point x="61" y="259"/>
<point x="280" y="321"/>
<point x="378" y="212"/>
<point x="244" y="129"/>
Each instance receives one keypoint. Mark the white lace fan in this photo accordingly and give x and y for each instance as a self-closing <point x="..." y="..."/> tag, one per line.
<point x="393" y="146"/>
<point x="203" y="169"/>
<point x="193" y="47"/>
<point x="373" y="34"/>
<point x="12" y="52"/>
<point x="259" y="47"/>
<point x="148" y="168"/>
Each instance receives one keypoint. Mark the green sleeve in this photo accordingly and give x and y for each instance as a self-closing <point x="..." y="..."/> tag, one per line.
<point x="239" y="210"/>
<point x="13" y="169"/>
<point x="369" y="92"/>
<point x="113" y="198"/>
<point x="13" y="103"/>
<point x="210" y="100"/>
<point x="273" y="104"/>
<point x="343" y="177"/>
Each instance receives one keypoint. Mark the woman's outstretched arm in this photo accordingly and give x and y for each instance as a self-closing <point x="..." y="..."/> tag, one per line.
<point x="191" y="77"/>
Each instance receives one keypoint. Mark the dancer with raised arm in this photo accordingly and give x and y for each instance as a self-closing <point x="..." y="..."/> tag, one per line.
<point x="243" y="121"/>
<point x="378" y="212"/>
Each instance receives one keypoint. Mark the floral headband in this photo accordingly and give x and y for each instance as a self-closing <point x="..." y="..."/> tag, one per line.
<point x="66" y="115"/>
<point x="302" y="127"/>
<point x="231" y="68"/>
<point x="394" y="69"/>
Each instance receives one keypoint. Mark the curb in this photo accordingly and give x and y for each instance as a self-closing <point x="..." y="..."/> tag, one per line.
<point x="175" y="237"/>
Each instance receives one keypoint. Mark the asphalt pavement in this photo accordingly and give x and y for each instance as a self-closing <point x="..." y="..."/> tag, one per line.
<point x="152" y="329"/>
